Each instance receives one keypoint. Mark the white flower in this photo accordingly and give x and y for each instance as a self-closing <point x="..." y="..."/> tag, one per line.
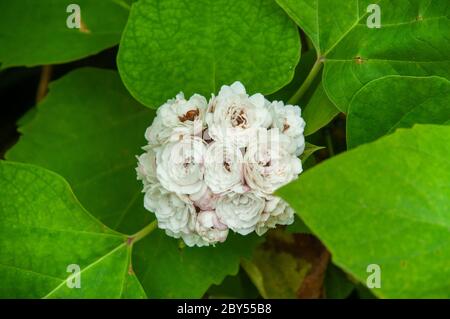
<point x="223" y="168"/>
<point x="174" y="212"/>
<point x="146" y="169"/>
<point x="190" y="239"/>
<point x="210" y="228"/>
<point x="240" y="212"/>
<point x="212" y="167"/>
<point x="177" y="118"/>
<point x="276" y="212"/>
<point x="180" y="165"/>
<point x="287" y="118"/>
<point x="269" y="163"/>
<point x="234" y="116"/>
<point x="204" y="199"/>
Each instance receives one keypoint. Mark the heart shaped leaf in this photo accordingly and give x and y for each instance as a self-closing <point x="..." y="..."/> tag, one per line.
<point x="46" y="235"/>
<point x="385" y="204"/>
<point x="386" y="104"/>
<point x="197" y="46"/>
<point x="47" y="31"/>
<point x="411" y="40"/>
<point x="91" y="139"/>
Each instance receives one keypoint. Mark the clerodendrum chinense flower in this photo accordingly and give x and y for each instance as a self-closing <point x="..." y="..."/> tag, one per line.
<point x="213" y="166"/>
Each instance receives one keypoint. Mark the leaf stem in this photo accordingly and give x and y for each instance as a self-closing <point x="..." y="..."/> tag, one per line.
<point x="142" y="233"/>
<point x="307" y="83"/>
<point x="123" y="4"/>
<point x="45" y="78"/>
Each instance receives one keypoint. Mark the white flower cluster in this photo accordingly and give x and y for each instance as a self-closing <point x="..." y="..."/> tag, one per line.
<point x="213" y="166"/>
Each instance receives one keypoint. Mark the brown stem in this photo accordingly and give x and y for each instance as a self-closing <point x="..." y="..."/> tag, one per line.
<point x="46" y="75"/>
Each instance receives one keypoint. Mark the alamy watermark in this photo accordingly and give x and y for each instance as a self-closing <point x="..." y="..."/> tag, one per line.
<point x="374" y="19"/>
<point x="374" y="279"/>
<point x="74" y="19"/>
<point x="74" y="279"/>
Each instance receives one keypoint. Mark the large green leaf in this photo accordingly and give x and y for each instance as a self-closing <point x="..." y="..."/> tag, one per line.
<point x="196" y="46"/>
<point x="386" y="104"/>
<point x="44" y="229"/>
<point x="91" y="139"/>
<point x="35" y="32"/>
<point x="412" y="40"/>
<point x="385" y="203"/>
<point x="89" y="130"/>
<point x="167" y="270"/>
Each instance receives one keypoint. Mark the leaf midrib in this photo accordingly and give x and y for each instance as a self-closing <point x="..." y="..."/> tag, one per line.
<point x="86" y="268"/>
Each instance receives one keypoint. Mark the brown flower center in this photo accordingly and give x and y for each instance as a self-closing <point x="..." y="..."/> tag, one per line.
<point x="189" y="116"/>
<point x="239" y="119"/>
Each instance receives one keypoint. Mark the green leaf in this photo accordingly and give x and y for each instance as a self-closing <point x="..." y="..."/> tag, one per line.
<point x="386" y="104"/>
<point x="197" y="46"/>
<point x="279" y="266"/>
<point x="92" y="139"/>
<point x="319" y="111"/>
<point x="298" y="227"/>
<point x="283" y="273"/>
<point x="364" y="292"/>
<point x="167" y="270"/>
<point x="255" y="275"/>
<point x="44" y="229"/>
<point x="301" y="72"/>
<point x="412" y="40"/>
<point x="238" y="286"/>
<point x="35" y="32"/>
<point x="309" y="150"/>
<point x="337" y="284"/>
<point x="89" y="129"/>
<point x="385" y="203"/>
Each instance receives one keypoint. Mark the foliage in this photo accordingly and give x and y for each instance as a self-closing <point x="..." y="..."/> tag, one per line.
<point x="68" y="188"/>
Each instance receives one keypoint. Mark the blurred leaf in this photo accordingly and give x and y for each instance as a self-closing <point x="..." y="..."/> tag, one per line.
<point x="35" y="32"/>
<point x="319" y="111"/>
<point x="386" y="104"/>
<point x="89" y="129"/>
<point x="301" y="72"/>
<point x="298" y="227"/>
<point x="385" y="203"/>
<point x="412" y="40"/>
<point x="337" y="284"/>
<point x="309" y="150"/>
<point x="255" y="276"/>
<point x="364" y="292"/>
<point x="168" y="271"/>
<point x="288" y="266"/>
<point x="238" y="286"/>
<point x="44" y="229"/>
<point x="198" y="46"/>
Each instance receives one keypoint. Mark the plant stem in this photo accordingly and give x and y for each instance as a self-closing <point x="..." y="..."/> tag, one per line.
<point x="307" y="83"/>
<point x="142" y="233"/>
<point x="46" y="75"/>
